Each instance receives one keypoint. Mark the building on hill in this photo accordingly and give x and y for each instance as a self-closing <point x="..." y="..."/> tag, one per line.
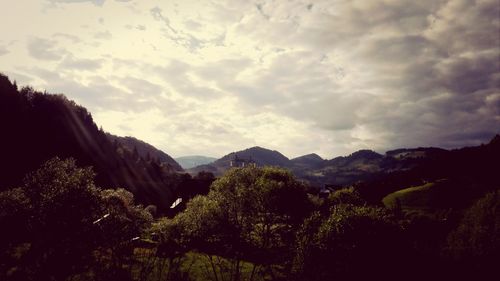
<point x="327" y="189"/>
<point x="237" y="162"/>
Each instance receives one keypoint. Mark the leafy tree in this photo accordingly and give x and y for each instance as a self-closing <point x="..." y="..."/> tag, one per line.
<point x="474" y="245"/>
<point x="352" y="243"/>
<point x="346" y="196"/>
<point x="249" y="213"/>
<point x="59" y="224"/>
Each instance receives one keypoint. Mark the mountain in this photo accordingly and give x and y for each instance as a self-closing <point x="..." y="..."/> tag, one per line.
<point x="308" y="160"/>
<point x="254" y="155"/>
<point x="38" y="126"/>
<point x="145" y="150"/>
<point x="188" y="162"/>
<point x="342" y="170"/>
<point x="360" y="166"/>
<point x="302" y="165"/>
<point x="311" y="167"/>
<point x="261" y="156"/>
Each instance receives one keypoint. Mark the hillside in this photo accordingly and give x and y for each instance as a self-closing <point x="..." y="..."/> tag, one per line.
<point x="146" y="151"/>
<point x="466" y="174"/>
<point x="39" y="126"/>
<point x="309" y="160"/>
<point x="188" y="162"/>
<point x="258" y="155"/>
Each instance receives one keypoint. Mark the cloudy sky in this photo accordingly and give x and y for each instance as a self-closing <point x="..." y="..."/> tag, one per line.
<point x="210" y="77"/>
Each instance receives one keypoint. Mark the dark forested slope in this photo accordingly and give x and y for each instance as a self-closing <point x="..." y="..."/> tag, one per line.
<point x="38" y="126"/>
<point x="469" y="172"/>
<point x="146" y="151"/>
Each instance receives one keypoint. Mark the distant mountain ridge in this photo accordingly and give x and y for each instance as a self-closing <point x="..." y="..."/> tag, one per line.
<point x="308" y="158"/>
<point x="191" y="161"/>
<point x="359" y="166"/>
<point x="260" y="156"/>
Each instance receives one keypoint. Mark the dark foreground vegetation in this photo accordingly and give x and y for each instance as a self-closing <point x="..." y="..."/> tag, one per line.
<point x="77" y="205"/>
<point x="254" y="224"/>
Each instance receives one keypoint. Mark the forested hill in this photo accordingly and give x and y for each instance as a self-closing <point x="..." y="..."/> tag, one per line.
<point x="146" y="151"/>
<point x="469" y="172"/>
<point x="38" y="126"/>
<point x="258" y="155"/>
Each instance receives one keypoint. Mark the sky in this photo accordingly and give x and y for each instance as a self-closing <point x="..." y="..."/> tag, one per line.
<point x="321" y="76"/>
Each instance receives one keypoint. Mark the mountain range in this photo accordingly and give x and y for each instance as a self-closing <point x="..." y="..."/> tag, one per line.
<point x="360" y="166"/>
<point x="188" y="162"/>
<point x="38" y="126"/>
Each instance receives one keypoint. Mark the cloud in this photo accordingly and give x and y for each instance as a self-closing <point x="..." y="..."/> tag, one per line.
<point x="181" y="37"/>
<point x="298" y="76"/>
<point x="412" y="74"/>
<point x="141" y="88"/>
<point x="178" y="76"/>
<point x="95" y="2"/>
<point x="45" y="49"/>
<point x="103" y="35"/>
<point x="3" y="50"/>
<point x="71" y="63"/>
<point x="69" y="37"/>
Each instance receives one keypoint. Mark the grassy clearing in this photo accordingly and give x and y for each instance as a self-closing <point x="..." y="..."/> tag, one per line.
<point x="417" y="198"/>
<point x="192" y="266"/>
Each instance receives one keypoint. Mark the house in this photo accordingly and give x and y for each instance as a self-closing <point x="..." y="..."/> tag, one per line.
<point x="327" y="189"/>
<point x="237" y="162"/>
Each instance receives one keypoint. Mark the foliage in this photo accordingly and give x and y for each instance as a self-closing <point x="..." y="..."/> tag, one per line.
<point x="249" y="213"/>
<point x="475" y="243"/>
<point x="70" y="227"/>
<point x="350" y="238"/>
<point x="346" y="196"/>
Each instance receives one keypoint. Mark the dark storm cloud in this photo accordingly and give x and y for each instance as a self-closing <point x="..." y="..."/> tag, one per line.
<point x="467" y="75"/>
<point x="422" y="72"/>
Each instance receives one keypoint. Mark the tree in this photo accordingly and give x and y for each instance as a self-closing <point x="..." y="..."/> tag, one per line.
<point x="59" y="222"/>
<point x="352" y="243"/>
<point x="346" y="196"/>
<point x="249" y="213"/>
<point x="135" y="154"/>
<point x="474" y="246"/>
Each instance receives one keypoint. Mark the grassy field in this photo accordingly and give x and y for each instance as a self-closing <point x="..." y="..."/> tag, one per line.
<point x="192" y="266"/>
<point x="416" y="198"/>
